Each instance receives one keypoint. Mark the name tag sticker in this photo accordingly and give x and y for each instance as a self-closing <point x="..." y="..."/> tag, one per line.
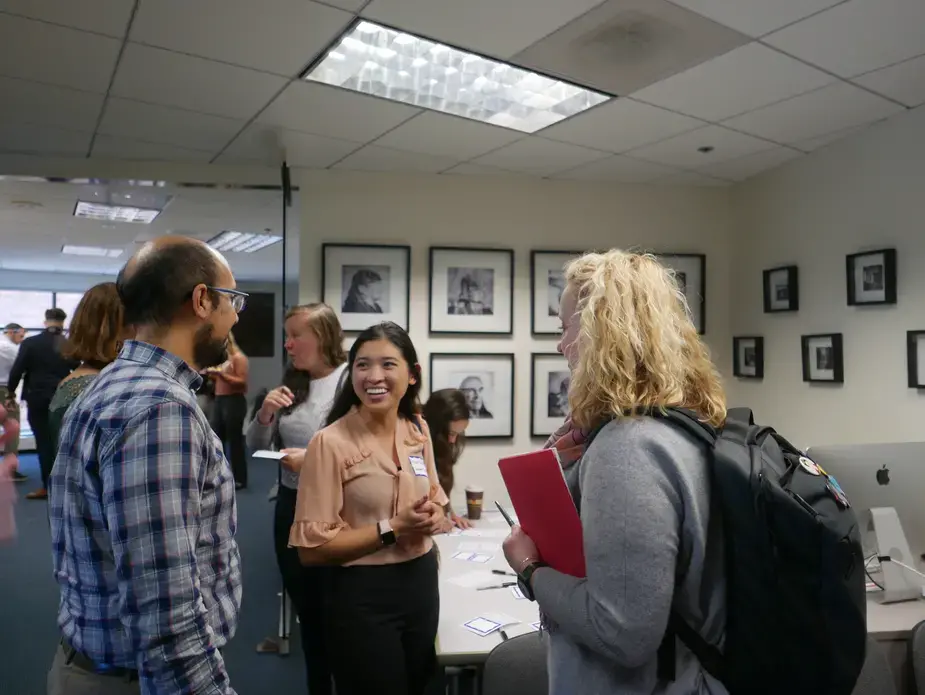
<point x="418" y="465"/>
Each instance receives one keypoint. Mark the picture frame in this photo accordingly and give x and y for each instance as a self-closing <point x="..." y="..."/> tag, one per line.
<point x="823" y="358"/>
<point x="871" y="277"/>
<point x="549" y="383"/>
<point x="547" y="282"/>
<point x="487" y="381"/>
<point x="471" y="291"/>
<point x="690" y="271"/>
<point x="915" y="358"/>
<point x="748" y="357"/>
<point x="781" y="289"/>
<point x="364" y="292"/>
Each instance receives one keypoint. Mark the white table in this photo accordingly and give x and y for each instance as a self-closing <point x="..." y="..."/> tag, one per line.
<point x="456" y="645"/>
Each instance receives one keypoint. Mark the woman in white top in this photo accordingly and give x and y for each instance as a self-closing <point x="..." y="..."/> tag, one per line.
<point x="287" y="420"/>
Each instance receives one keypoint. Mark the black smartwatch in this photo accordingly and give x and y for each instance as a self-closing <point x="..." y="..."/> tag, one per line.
<point x="386" y="534"/>
<point x="523" y="579"/>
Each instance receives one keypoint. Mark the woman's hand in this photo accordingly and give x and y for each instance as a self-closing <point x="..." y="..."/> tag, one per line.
<point x="422" y="517"/>
<point x="460" y="521"/>
<point x="519" y="549"/>
<point x="280" y="397"/>
<point x="293" y="459"/>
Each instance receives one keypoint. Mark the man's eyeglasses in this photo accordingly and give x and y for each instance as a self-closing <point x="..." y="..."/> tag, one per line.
<point x="238" y="298"/>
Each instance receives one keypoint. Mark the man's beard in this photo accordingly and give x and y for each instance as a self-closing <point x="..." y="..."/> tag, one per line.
<point x="209" y="351"/>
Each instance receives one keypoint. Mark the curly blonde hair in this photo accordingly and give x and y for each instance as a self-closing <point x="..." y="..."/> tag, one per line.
<point x="638" y="345"/>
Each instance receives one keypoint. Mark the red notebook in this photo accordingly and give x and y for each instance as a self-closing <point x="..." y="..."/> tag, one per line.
<point x="545" y="508"/>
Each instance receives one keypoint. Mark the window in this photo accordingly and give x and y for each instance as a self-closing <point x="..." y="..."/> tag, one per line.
<point x="68" y="301"/>
<point x="27" y="308"/>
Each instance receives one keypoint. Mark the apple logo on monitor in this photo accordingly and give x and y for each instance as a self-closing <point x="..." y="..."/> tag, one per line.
<point x="883" y="475"/>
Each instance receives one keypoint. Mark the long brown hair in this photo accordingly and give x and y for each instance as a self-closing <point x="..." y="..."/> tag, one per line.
<point x="322" y="321"/>
<point x="442" y="408"/>
<point x="98" y="326"/>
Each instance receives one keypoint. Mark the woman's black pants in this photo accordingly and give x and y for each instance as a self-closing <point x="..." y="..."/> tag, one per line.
<point x="306" y="587"/>
<point x="228" y="415"/>
<point x="382" y="627"/>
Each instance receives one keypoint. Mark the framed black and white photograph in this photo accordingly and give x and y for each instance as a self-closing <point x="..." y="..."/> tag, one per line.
<point x="547" y="282"/>
<point x="471" y="290"/>
<point x="823" y="360"/>
<point x="549" y="383"/>
<point x="690" y="271"/>
<point x="487" y="382"/>
<point x="915" y="358"/>
<point x="366" y="283"/>
<point x="748" y="357"/>
<point x="871" y="277"/>
<point x="781" y="289"/>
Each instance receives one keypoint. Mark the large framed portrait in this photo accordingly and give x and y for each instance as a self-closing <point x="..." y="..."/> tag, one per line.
<point x="781" y="289"/>
<point x="471" y="290"/>
<point x="690" y="272"/>
<point x="871" y="277"/>
<point x="549" y="384"/>
<point x="823" y="359"/>
<point x="547" y="282"/>
<point x="367" y="283"/>
<point x="487" y="382"/>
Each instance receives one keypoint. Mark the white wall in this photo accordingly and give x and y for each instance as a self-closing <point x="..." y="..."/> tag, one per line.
<point x="864" y="193"/>
<point x="510" y="213"/>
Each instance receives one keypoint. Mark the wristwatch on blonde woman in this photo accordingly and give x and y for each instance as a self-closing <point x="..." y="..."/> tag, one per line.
<point x="386" y="534"/>
<point x="526" y="574"/>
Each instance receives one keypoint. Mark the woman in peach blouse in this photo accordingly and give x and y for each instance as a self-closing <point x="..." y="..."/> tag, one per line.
<point x="369" y="501"/>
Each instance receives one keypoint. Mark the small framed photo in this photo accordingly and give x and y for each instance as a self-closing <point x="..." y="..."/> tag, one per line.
<point x="781" y="289"/>
<point x="690" y="271"/>
<point x="549" y="382"/>
<point x="915" y="358"/>
<point x="487" y="382"/>
<point x="748" y="357"/>
<point x="823" y="360"/>
<point x="547" y="282"/>
<point x="367" y="283"/>
<point x="871" y="277"/>
<point x="471" y="290"/>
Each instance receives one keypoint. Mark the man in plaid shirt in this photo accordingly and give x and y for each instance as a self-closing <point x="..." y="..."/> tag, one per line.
<point x="142" y="500"/>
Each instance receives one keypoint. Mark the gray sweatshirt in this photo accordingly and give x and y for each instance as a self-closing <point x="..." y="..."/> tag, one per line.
<point x="643" y="492"/>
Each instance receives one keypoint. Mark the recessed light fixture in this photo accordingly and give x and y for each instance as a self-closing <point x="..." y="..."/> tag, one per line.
<point x="242" y="242"/>
<point x="115" y="213"/>
<point x="373" y="59"/>
<point x="95" y="251"/>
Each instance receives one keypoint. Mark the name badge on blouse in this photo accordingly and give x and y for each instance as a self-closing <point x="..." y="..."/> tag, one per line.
<point x="418" y="465"/>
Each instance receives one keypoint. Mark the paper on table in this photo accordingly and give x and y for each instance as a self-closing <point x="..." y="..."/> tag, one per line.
<point x="502" y="618"/>
<point x="518" y="594"/>
<point x="473" y="557"/>
<point x="479" y="547"/>
<point x="267" y="454"/>
<point x="470" y="580"/>
<point x="487" y="532"/>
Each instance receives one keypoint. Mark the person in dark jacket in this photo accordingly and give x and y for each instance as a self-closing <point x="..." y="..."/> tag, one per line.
<point x="41" y="366"/>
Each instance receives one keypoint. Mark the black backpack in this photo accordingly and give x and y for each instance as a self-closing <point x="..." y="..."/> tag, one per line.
<point x="796" y="618"/>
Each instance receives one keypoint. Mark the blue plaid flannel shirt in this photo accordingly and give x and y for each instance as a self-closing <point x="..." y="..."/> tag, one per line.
<point x="142" y="509"/>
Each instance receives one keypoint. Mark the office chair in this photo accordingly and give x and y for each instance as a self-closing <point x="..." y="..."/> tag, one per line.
<point x="876" y="676"/>
<point x="916" y="659"/>
<point x="517" y="667"/>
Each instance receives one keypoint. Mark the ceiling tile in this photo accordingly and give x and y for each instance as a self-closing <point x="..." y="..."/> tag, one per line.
<point x="334" y="112"/>
<point x="744" y="79"/>
<point x="857" y="36"/>
<point x="447" y="136"/>
<point x="498" y="28"/>
<point x="617" y="168"/>
<point x="152" y="123"/>
<point x="270" y="146"/>
<point x="756" y="17"/>
<point x="826" y="110"/>
<point x="682" y="150"/>
<point x="22" y="101"/>
<point x="56" y="55"/>
<point x="172" y="79"/>
<point x="622" y="46"/>
<point x="108" y="147"/>
<point x="108" y="17"/>
<point x="904" y="82"/>
<point x="279" y="36"/>
<point x="689" y="178"/>
<point x="44" y="140"/>
<point x="374" y="158"/>
<point x="620" y="125"/>
<point x="827" y="139"/>
<point x="469" y="169"/>
<point x="538" y="156"/>
<point x="741" y="168"/>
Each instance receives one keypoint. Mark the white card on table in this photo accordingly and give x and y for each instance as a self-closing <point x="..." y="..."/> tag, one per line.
<point x="267" y="454"/>
<point x="518" y="594"/>
<point x="481" y="558"/>
<point x="483" y="626"/>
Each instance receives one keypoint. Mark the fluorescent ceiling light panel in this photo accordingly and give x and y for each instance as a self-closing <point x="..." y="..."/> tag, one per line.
<point x="114" y="213"/>
<point x="383" y="62"/>
<point x="242" y="242"/>
<point x="95" y="251"/>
